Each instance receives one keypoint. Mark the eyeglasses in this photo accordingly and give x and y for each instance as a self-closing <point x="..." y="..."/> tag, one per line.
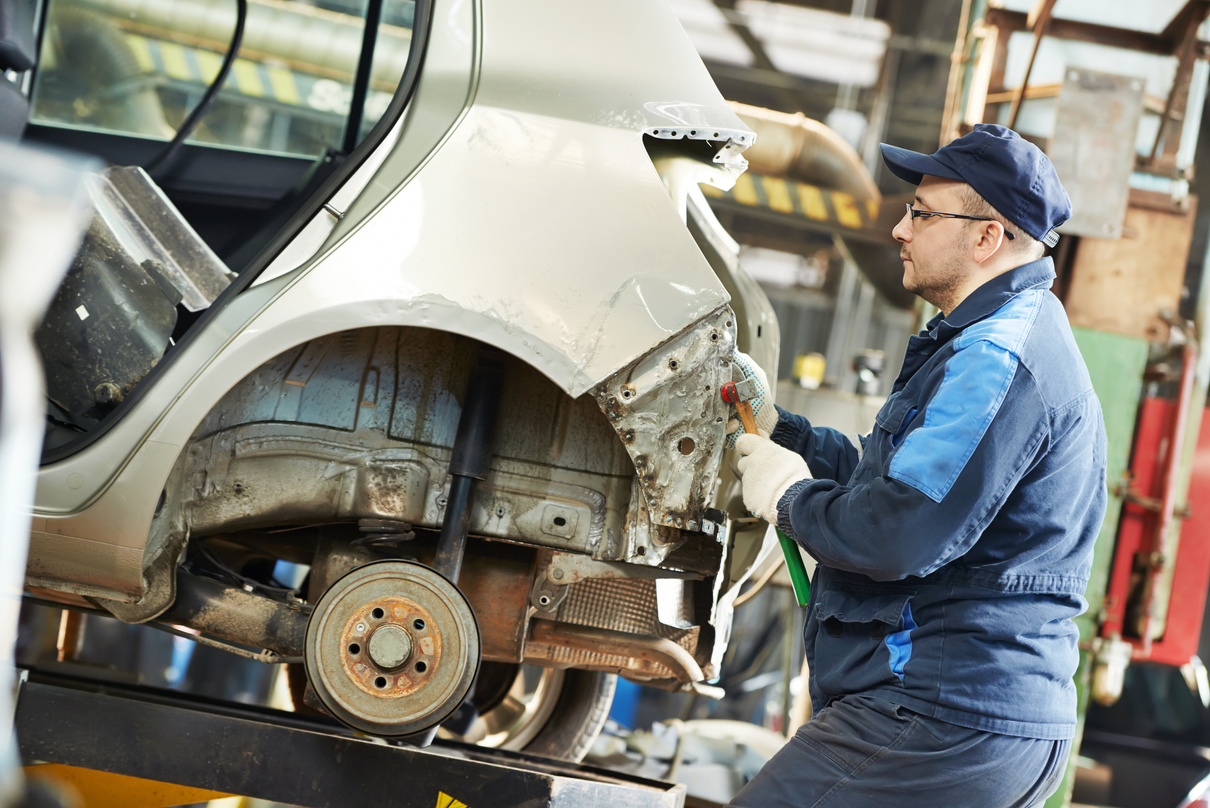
<point x="913" y="214"/>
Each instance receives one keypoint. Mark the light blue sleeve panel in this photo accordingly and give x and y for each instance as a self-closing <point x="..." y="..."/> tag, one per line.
<point x="977" y="378"/>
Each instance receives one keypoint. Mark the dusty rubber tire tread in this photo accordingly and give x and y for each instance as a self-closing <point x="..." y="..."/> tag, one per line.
<point x="578" y="717"/>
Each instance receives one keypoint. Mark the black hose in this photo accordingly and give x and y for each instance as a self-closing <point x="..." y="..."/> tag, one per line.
<point x="190" y="123"/>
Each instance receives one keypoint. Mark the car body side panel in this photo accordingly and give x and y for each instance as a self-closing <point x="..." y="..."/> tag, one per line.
<point x="626" y="64"/>
<point x="577" y="271"/>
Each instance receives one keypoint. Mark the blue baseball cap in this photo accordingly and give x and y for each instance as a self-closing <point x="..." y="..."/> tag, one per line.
<point x="1012" y="174"/>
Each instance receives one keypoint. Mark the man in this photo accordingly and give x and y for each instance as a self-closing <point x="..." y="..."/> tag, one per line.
<point x="954" y="544"/>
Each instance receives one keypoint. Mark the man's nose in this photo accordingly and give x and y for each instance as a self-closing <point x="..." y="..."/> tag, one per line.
<point x="903" y="230"/>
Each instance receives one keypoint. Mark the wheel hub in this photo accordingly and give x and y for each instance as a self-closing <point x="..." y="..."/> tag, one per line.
<point x="392" y="648"/>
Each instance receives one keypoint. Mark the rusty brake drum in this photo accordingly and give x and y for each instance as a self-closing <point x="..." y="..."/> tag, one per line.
<point x="392" y="648"/>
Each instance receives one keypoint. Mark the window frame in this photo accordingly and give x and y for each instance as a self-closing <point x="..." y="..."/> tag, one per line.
<point x="239" y="176"/>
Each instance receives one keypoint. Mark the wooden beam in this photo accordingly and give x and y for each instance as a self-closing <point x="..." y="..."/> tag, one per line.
<point x="1040" y="12"/>
<point x="999" y="60"/>
<point x="988" y="76"/>
<point x="954" y="84"/>
<point x="1151" y="103"/>
<point x="1083" y="32"/>
<point x="1038" y="20"/>
<point x="1192" y="13"/>
<point x="1168" y="138"/>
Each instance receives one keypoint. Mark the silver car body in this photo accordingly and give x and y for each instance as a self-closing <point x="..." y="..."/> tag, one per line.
<point x="516" y="202"/>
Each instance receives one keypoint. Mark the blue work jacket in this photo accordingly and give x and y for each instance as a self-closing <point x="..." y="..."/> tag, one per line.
<point x="955" y="544"/>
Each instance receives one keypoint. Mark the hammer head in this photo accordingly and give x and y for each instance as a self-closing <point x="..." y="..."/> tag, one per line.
<point x="735" y="392"/>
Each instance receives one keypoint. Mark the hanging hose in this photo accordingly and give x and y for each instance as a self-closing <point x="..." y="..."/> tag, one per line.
<point x="190" y="123"/>
<point x="759" y="585"/>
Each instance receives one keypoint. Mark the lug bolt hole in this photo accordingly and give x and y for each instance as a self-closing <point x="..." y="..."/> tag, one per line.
<point x="418" y="624"/>
<point x="378" y="614"/>
<point x="421" y="667"/>
<point x="380" y="682"/>
<point x="354" y="649"/>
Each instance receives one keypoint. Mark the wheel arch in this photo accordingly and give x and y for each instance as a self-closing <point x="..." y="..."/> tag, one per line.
<point x="103" y="501"/>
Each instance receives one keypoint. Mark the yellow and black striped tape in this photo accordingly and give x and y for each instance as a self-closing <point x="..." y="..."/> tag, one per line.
<point x="799" y="199"/>
<point x="267" y="81"/>
<point x="199" y="66"/>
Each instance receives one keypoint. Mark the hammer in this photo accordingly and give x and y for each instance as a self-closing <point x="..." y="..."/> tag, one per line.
<point x="739" y="393"/>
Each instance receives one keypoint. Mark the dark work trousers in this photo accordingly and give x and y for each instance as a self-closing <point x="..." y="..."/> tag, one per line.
<point x="862" y="751"/>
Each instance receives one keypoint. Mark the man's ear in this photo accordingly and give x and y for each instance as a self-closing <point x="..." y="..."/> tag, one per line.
<point x="990" y="239"/>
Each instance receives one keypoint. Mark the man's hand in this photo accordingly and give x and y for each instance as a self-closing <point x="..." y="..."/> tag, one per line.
<point x="762" y="402"/>
<point x="767" y="471"/>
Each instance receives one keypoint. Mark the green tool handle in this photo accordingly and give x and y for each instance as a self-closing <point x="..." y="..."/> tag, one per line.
<point x="789" y="548"/>
<point x="797" y="570"/>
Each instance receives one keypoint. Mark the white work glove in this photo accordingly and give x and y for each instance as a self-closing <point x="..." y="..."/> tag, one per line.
<point x="767" y="471"/>
<point x="763" y="410"/>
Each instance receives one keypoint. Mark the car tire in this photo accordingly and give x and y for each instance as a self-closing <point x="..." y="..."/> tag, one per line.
<point x="567" y="730"/>
<point x="579" y="714"/>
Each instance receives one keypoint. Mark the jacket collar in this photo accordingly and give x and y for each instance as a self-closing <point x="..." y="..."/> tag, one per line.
<point x="989" y="297"/>
<point x="978" y="305"/>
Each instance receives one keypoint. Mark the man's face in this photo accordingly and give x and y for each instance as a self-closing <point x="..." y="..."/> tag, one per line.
<point x="935" y="250"/>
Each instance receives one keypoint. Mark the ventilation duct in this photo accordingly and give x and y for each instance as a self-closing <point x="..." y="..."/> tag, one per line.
<point x="795" y="147"/>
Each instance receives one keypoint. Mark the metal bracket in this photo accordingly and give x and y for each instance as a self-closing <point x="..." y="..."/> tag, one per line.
<point x="569" y="568"/>
<point x="667" y="410"/>
<point x="547" y="593"/>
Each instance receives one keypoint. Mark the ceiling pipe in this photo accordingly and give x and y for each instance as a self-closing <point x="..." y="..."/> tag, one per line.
<point x="794" y="146"/>
<point x="306" y="38"/>
<point x="94" y="53"/>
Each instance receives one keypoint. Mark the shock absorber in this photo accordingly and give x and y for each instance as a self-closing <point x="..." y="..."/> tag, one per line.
<point x="471" y="458"/>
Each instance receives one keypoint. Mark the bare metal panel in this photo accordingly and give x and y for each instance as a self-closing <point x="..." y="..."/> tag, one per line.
<point x="1093" y="148"/>
<point x="360" y="425"/>
<point x="668" y="412"/>
<point x="627" y="605"/>
<point x="56" y="558"/>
